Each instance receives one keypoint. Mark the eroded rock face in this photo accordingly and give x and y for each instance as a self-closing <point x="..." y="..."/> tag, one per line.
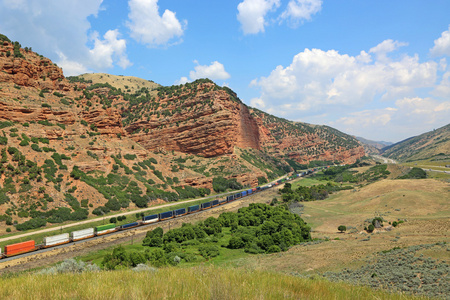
<point x="10" y="111"/>
<point x="210" y="131"/>
<point x="107" y="121"/>
<point x="32" y="70"/>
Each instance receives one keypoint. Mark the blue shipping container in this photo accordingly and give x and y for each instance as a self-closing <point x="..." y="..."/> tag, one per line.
<point x="206" y="205"/>
<point x="249" y="191"/>
<point x="180" y="211"/>
<point x="230" y="198"/>
<point x="166" y="215"/>
<point x="193" y="208"/>
<point x="214" y="202"/>
<point x="151" y="217"/>
<point x="129" y="225"/>
<point x="222" y="202"/>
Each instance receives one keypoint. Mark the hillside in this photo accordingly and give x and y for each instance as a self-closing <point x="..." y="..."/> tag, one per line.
<point x="129" y="84"/>
<point x="78" y="146"/>
<point x="434" y="145"/>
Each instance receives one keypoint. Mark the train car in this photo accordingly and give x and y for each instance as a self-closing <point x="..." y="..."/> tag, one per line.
<point x="250" y="191"/>
<point x="81" y="234"/>
<point x="244" y="193"/>
<point x="221" y="202"/>
<point x="19" y="248"/>
<point x="51" y="241"/>
<point x="230" y="198"/>
<point x="279" y="182"/>
<point x="104" y="229"/>
<point x="214" y="203"/>
<point x="258" y="188"/>
<point x="129" y="225"/>
<point x="150" y="219"/>
<point x="193" y="208"/>
<point x="237" y="196"/>
<point x="166" y="215"/>
<point x="254" y="190"/>
<point x="180" y="212"/>
<point x="206" y="205"/>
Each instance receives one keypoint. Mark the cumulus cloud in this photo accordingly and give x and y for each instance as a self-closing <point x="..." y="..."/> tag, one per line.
<point x="214" y="71"/>
<point x="318" y="78"/>
<point x="252" y="14"/>
<point x="385" y="47"/>
<point x="148" y="27"/>
<point x="300" y="10"/>
<point x="442" y="44"/>
<point x="358" y="92"/>
<point x="109" y="48"/>
<point x="60" y="30"/>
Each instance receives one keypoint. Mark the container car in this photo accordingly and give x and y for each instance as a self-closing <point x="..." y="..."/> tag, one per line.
<point x="81" y="234"/>
<point x="104" y="229"/>
<point x="150" y="219"/>
<point x="166" y="215"/>
<point x="250" y="191"/>
<point x="230" y="198"/>
<point x="206" y="205"/>
<point x="55" y="240"/>
<point x="129" y="225"/>
<point x="214" y="203"/>
<point x="180" y="212"/>
<point x="193" y="208"/>
<point x="19" y="248"/>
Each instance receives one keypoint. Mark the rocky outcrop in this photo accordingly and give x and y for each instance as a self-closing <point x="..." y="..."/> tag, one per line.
<point x="11" y="112"/>
<point x="106" y="121"/>
<point x="207" y="130"/>
<point x="30" y="70"/>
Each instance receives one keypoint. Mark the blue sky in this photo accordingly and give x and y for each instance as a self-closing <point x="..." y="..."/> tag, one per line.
<point x="377" y="69"/>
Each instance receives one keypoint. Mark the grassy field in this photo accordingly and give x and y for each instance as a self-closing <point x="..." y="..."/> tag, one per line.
<point x="424" y="204"/>
<point x="202" y="282"/>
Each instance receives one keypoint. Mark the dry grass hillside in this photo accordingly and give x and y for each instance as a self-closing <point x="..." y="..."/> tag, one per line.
<point x="128" y="84"/>
<point x="424" y="205"/>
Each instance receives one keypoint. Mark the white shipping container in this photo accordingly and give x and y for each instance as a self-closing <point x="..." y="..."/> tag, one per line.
<point x="151" y="221"/>
<point x="105" y="231"/>
<point x="56" y="239"/>
<point x="81" y="234"/>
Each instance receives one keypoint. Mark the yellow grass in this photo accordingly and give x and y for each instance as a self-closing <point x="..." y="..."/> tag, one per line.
<point x="204" y="282"/>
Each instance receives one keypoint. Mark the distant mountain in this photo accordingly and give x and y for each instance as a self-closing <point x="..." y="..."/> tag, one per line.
<point x="377" y="144"/>
<point x="433" y="145"/>
<point x="372" y="147"/>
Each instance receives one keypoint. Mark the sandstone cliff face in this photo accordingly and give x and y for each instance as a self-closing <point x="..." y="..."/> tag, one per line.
<point x="32" y="70"/>
<point x="207" y="124"/>
<point x="304" y="143"/>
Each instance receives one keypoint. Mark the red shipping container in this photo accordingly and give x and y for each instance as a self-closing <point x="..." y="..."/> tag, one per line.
<point x="19" y="248"/>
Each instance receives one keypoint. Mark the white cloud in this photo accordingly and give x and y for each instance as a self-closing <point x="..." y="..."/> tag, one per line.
<point x="214" y="71"/>
<point x="258" y="103"/>
<point x="318" y="78"/>
<point x="299" y="10"/>
<point x="442" y="44"/>
<point x="148" y="27"/>
<point x="182" y="80"/>
<point x="359" y="92"/>
<point x="110" y="47"/>
<point x="385" y="47"/>
<point x="252" y="13"/>
<point x="59" y="30"/>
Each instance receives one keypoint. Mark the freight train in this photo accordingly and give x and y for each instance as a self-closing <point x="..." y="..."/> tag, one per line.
<point x="65" y="238"/>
